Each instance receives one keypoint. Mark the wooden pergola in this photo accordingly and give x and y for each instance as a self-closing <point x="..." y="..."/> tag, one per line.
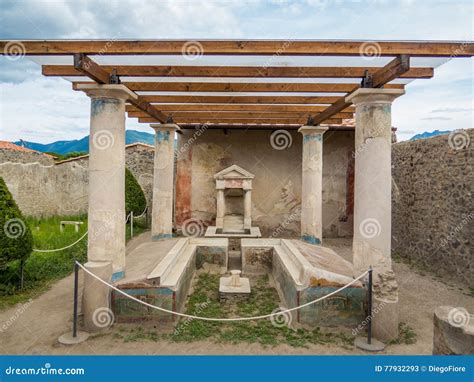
<point x="270" y="93"/>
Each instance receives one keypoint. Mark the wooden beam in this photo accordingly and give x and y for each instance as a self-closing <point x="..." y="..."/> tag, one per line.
<point x="297" y="121"/>
<point x="246" y="47"/>
<point x="232" y="71"/>
<point x="231" y="114"/>
<point x="242" y="87"/>
<point x="389" y="72"/>
<point x="95" y="72"/>
<point x="237" y="99"/>
<point x="240" y="107"/>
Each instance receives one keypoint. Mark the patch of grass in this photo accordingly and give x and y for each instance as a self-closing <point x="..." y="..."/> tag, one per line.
<point x="137" y="334"/>
<point x="43" y="269"/>
<point x="406" y="335"/>
<point x="205" y="301"/>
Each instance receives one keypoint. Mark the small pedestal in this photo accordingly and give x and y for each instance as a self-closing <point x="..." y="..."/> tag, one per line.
<point x="234" y="287"/>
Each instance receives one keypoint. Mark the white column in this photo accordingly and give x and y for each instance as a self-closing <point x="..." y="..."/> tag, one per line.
<point x="247" y="209"/>
<point x="372" y="202"/>
<point x="312" y="181"/>
<point x="220" y="209"/>
<point x="163" y="181"/>
<point x="106" y="214"/>
<point x="106" y="211"/>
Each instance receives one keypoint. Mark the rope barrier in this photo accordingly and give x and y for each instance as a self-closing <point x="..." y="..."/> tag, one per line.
<point x="220" y="319"/>
<point x="61" y="249"/>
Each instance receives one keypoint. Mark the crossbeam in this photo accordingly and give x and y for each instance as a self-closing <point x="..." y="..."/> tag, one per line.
<point x="243" y="87"/>
<point x="389" y="72"/>
<point x="239" y="107"/>
<point x="238" y="99"/>
<point x="232" y="71"/>
<point x="238" y="114"/>
<point x="246" y="47"/>
<point x="288" y="121"/>
<point x="99" y="75"/>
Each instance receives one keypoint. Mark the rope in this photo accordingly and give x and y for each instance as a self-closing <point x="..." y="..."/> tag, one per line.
<point x="220" y="319"/>
<point x="61" y="249"/>
<point x="143" y="213"/>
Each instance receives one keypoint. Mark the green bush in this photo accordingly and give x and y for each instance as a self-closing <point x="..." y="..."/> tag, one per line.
<point x="134" y="197"/>
<point x="16" y="241"/>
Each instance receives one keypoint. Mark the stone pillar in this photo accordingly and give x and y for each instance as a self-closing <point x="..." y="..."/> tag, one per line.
<point x="163" y="180"/>
<point x="312" y="179"/>
<point x="247" y="209"/>
<point x="372" y="202"/>
<point x="106" y="214"/>
<point x="220" y="209"/>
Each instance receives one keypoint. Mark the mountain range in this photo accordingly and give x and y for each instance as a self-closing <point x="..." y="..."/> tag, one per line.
<point x="428" y="135"/>
<point x="82" y="145"/>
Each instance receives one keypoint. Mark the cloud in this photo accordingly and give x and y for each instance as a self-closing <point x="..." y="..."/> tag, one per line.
<point x="453" y="110"/>
<point x="436" y="119"/>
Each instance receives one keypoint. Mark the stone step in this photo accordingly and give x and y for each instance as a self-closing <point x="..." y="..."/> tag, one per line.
<point x="183" y="260"/>
<point x="166" y="265"/>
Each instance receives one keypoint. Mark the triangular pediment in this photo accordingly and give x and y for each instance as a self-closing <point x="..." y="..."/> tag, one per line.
<point x="234" y="172"/>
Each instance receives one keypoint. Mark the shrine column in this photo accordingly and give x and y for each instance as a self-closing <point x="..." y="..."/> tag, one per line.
<point x="247" y="209"/>
<point x="220" y="209"/>
<point x="106" y="199"/>
<point x="312" y="180"/>
<point x="372" y="201"/>
<point x="163" y="180"/>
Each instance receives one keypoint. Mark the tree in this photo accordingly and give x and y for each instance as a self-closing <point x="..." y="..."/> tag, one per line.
<point x="16" y="240"/>
<point x="134" y="197"/>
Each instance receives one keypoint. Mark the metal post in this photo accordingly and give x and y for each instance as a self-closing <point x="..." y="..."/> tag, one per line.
<point x="369" y="308"/>
<point x="76" y="288"/>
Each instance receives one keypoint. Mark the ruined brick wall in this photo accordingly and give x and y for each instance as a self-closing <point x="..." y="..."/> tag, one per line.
<point x="432" y="204"/>
<point x="62" y="189"/>
<point x="15" y="156"/>
<point x="276" y="194"/>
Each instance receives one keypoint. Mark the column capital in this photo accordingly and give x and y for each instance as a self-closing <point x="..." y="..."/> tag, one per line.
<point x="306" y="130"/>
<point x="374" y="95"/>
<point x="165" y="126"/>
<point x="116" y="91"/>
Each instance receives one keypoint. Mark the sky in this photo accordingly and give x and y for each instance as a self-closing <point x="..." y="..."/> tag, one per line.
<point x="46" y="109"/>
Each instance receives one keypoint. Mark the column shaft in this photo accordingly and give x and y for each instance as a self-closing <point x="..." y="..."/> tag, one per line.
<point x="247" y="209"/>
<point x="220" y="209"/>
<point x="312" y="181"/>
<point x="163" y="182"/>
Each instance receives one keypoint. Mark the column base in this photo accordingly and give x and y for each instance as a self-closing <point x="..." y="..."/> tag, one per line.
<point x="311" y="239"/>
<point x="162" y="236"/>
<point x="96" y="297"/>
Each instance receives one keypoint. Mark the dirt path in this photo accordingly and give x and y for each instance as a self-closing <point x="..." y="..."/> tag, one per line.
<point x="35" y="327"/>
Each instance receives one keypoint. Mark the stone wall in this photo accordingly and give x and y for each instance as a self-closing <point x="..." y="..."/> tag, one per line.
<point x="433" y="206"/>
<point x="276" y="194"/>
<point x="62" y="189"/>
<point x="47" y="190"/>
<point x="17" y="156"/>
